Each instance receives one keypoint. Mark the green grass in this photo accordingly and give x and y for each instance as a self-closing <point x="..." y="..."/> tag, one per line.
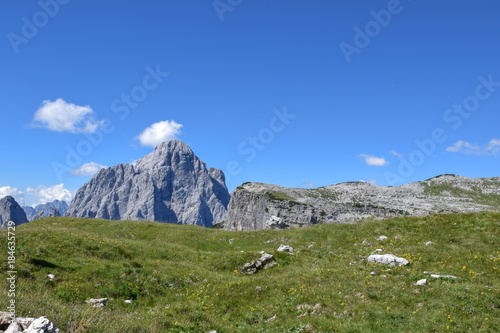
<point x="186" y="278"/>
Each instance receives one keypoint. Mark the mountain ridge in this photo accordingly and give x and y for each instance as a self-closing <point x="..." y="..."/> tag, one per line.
<point x="256" y="206"/>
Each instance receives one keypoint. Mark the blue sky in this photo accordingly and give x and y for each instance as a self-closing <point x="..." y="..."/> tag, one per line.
<point x="298" y="93"/>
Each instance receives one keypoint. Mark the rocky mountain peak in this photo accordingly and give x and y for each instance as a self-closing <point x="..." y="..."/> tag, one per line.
<point x="171" y="184"/>
<point x="11" y="211"/>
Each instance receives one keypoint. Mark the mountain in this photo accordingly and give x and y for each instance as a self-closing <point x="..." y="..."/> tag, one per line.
<point x="61" y="206"/>
<point x="54" y="213"/>
<point x="11" y="211"/>
<point x="30" y="212"/>
<point x="256" y="206"/>
<point x="169" y="185"/>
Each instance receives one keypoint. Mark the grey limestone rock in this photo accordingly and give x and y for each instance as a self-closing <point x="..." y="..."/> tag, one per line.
<point x="54" y="213"/>
<point x="40" y="214"/>
<point x="171" y="185"/>
<point x="388" y="259"/>
<point x="255" y="206"/>
<point x="11" y="211"/>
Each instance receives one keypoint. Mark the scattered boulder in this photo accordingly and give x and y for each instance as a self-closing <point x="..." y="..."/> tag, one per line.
<point x="41" y="325"/>
<point x="388" y="259"/>
<point x="127" y="301"/>
<point x="97" y="302"/>
<point x="422" y="282"/>
<point x="382" y="238"/>
<point x="285" y="248"/>
<point x="264" y="262"/>
<point x="428" y="243"/>
<point x="51" y="276"/>
<point x="25" y="325"/>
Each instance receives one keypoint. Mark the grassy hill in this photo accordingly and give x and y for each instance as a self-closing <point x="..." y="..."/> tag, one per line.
<point x="187" y="279"/>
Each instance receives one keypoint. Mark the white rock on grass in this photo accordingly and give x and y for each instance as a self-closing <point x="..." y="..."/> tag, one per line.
<point x="428" y="243"/>
<point x="382" y="238"/>
<point x="127" y="301"/>
<point x="437" y="276"/>
<point x="285" y="248"/>
<point x="388" y="259"/>
<point x="97" y="302"/>
<point x="422" y="282"/>
<point x="51" y="276"/>
<point x="42" y="325"/>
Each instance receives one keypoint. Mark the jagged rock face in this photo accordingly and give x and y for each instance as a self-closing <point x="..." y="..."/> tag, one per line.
<point x="39" y="215"/>
<point x="54" y="213"/>
<point x="169" y="185"/>
<point x="255" y="206"/>
<point x="61" y="206"/>
<point x="11" y="211"/>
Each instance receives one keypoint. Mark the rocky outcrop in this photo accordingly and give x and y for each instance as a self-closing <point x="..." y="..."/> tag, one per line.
<point x="11" y="211"/>
<point x="26" y="325"/>
<point x="61" y="207"/>
<point x="169" y="185"/>
<point x="256" y="206"/>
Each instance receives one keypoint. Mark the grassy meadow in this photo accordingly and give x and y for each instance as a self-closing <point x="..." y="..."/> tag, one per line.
<point x="187" y="279"/>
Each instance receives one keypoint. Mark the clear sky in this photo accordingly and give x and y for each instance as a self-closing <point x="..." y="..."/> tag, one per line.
<point x="299" y="93"/>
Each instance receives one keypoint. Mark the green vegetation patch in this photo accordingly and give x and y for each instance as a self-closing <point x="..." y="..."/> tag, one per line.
<point x="187" y="279"/>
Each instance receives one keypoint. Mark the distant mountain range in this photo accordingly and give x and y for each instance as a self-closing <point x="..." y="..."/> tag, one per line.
<point x="173" y="185"/>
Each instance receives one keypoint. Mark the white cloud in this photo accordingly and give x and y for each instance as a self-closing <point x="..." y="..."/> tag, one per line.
<point x="373" y="160"/>
<point x="395" y="153"/>
<point x="13" y="192"/>
<point x="491" y="148"/>
<point x="308" y="184"/>
<point x="61" y="116"/>
<point x="159" y="132"/>
<point x="49" y="194"/>
<point x="87" y="169"/>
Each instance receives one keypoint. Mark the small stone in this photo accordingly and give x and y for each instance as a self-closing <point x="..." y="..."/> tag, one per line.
<point x="372" y="273"/>
<point x="310" y="246"/>
<point x="231" y="241"/>
<point x="422" y="282"/>
<point x="51" y="276"/>
<point x="42" y="325"/>
<point x="127" y="301"/>
<point x="285" y="248"/>
<point x="428" y="243"/>
<point x="388" y="259"/>
<point x="97" y="302"/>
<point x="258" y="289"/>
<point x="382" y="238"/>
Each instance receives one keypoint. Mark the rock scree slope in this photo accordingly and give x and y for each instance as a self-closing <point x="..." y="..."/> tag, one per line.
<point x="171" y="185"/>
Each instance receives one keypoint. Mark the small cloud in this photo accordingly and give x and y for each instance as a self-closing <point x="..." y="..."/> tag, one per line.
<point x="49" y="194"/>
<point x="87" y="169"/>
<point x="491" y="148"/>
<point x="13" y="192"/>
<point x="395" y="153"/>
<point x="308" y="184"/>
<point x="61" y="116"/>
<point x="373" y="160"/>
<point x="159" y="132"/>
